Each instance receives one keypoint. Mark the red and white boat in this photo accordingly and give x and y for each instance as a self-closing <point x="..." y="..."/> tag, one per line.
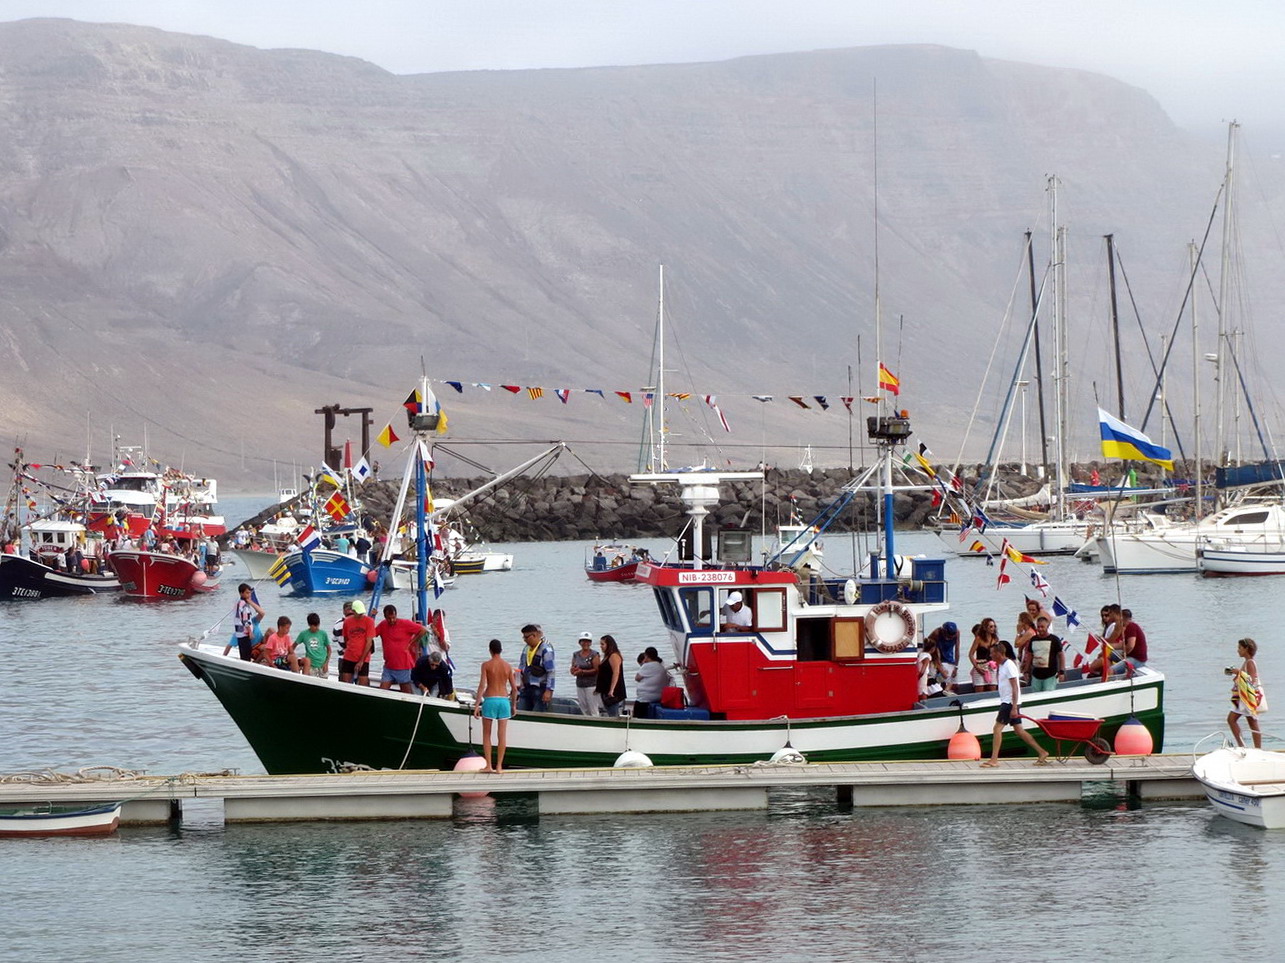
<point x="797" y="661"/>
<point x="39" y="821"/>
<point x="159" y="575"/>
<point x="614" y="563"/>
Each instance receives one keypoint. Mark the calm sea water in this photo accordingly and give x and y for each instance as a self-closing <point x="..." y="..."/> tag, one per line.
<point x="96" y="681"/>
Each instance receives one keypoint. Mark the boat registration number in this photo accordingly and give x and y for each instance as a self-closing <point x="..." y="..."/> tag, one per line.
<point x="705" y="578"/>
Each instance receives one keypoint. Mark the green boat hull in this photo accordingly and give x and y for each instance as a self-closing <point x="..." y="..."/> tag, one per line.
<point x="355" y="726"/>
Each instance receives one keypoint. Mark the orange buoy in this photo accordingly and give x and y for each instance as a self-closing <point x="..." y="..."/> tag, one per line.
<point x="1133" y="739"/>
<point x="964" y="745"/>
<point x="471" y="763"/>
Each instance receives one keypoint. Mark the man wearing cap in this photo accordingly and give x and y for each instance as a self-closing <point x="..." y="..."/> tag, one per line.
<point x="535" y="667"/>
<point x="359" y="640"/>
<point x="947" y="639"/>
<point x="584" y="666"/>
<point x="432" y="676"/>
<point x="736" y="617"/>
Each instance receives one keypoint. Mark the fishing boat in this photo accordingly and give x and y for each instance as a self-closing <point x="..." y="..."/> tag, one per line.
<point x="614" y="562"/>
<point x="23" y="578"/>
<point x="826" y="666"/>
<point x="61" y="558"/>
<point x="159" y="575"/>
<point x="50" y="820"/>
<point x="1246" y="785"/>
<point x="322" y="571"/>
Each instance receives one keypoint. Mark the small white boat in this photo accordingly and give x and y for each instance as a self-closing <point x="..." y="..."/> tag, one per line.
<point x="1245" y="785"/>
<point x="1216" y="561"/>
<point x="49" y="820"/>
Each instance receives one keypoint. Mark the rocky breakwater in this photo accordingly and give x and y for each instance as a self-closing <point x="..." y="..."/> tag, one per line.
<point x="589" y="507"/>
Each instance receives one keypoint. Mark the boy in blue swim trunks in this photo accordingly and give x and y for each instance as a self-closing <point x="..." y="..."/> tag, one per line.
<point x="495" y="694"/>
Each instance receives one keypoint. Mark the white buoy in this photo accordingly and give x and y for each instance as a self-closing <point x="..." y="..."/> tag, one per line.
<point x="787" y="756"/>
<point x="632" y="759"/>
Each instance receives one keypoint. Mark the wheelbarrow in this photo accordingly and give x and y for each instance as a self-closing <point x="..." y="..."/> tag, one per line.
<point x="1075" y="732"/>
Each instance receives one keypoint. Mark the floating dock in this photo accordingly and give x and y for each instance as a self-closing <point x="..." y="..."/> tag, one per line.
<point x="431" y="794"/>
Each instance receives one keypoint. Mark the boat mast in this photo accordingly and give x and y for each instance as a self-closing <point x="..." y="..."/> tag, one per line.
<point x="1229" y="213"/>
<point x="659" y="403"/>
<point x="1058" y="243"/>
<point x="1115" y="327"/>
<point x="1195" y="384"/>
<point x="1039" y="361"/>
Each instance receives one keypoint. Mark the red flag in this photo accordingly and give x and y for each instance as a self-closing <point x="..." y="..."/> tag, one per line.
<point x="626" y="397"/>
<point x="1003" y="578"/>
<point x="798" y="400"/>
<point x="513" y="388"/>
<point x="337" y="506"/>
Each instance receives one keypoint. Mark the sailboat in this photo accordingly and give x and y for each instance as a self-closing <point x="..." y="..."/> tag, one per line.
<point x="1246" y="522"/>
<point x="1063" y="532"/>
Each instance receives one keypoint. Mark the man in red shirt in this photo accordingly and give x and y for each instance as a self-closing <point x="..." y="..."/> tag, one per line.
<point x="400" y="638"/>
<point x="359" y="640"/>
<point x="1135" y="640"/>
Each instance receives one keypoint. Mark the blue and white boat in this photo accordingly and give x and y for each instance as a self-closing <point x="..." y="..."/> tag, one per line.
<point x="322" y="571"/>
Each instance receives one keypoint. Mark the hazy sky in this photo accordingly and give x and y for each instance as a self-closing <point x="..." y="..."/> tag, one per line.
<point x="1206" y="62"/>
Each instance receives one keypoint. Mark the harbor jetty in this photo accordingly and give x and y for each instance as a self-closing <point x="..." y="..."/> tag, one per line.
<point x="589" y="506"/>
<point x="430" y="794"/>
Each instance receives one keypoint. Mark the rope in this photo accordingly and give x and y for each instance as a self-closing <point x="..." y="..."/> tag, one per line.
<point x="414" y="732"/>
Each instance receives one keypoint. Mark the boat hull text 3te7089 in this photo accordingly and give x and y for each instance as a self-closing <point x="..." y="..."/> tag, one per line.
<point x="826" y="666"/>
<point x="159" y="575"/>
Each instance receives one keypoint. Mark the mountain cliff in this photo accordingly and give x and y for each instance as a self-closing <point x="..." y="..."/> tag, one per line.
<point x="205" y="242"/>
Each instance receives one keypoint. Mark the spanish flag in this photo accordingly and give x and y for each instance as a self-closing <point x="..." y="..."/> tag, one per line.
<point x="888" y="380"/>
<point x="1018" y="557"/>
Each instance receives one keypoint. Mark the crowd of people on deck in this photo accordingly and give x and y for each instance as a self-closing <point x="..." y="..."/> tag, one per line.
<point x="1035" y="660"/>
<point x="415" y="655"/>
<point x="92" y="555"/>
<point x="1041" y="656"/>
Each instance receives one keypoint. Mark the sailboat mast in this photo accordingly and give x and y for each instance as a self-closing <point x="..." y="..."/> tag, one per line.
<point x="1039" y="360"/>
<point x="1058" y="245"/>
<point x="1115" y="327"/>
<point x="1229" y="213"/>
<point x="659" y="404"/>
<point x="1195" y="386"/>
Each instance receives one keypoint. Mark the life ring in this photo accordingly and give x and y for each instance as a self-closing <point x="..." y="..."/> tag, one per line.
<point x="882" y="630"/>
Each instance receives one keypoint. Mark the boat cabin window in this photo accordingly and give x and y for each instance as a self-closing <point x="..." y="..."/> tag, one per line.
<point x="769" y="609"/>
<point x="698" y="603"/>
<point x="669" y="613"/>
<point x="1246" y="518"/>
